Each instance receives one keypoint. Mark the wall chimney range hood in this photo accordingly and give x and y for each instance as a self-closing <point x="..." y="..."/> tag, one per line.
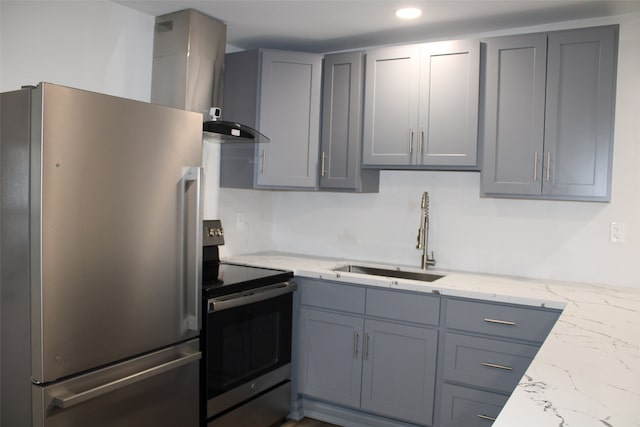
<point x="188" y="72"/>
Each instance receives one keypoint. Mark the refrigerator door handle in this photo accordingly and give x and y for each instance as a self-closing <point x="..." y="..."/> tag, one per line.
<point x="192" y="177"/>
<point x="72" y="399"/>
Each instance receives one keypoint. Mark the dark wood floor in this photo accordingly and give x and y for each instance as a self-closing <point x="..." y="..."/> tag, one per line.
<point x="307" y="422"/>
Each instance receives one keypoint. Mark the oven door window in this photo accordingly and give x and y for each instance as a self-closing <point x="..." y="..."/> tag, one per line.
<point x="246" y="342"/>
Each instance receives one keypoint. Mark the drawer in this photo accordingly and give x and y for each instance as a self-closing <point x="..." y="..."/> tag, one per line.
<point x="528" y="324"/>
<point x="465" y="407"/>
<point x="408" y="307"/>
<point x="332" y="295"/>
<point x="486" y="362"/>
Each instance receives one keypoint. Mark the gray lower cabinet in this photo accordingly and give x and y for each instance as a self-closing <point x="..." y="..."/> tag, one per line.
<point x="421" y="106"/>
<point x="376" y="356"/>
<point x="486" y="362"/>
<point x="341" y="140"/>
<point x="381" y="367"/>
<point x="398" y="375"/>
<point x="548" y="114"/>
<point x="331" y="362"/>
<point x="278" y="93"/>
<point x="487" y="349"/>
<point x="464" y="407"/>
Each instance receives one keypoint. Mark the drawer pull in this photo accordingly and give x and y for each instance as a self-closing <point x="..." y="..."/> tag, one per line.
<point x="486" y="417"/>
<point x="493" y="365"/>
<point x="500" y="322"/>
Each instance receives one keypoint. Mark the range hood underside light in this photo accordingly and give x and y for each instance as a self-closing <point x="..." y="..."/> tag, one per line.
<point x="223" y="131"/>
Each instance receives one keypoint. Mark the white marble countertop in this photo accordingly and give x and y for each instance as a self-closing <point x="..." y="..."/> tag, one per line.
<point x="587" y="372"/>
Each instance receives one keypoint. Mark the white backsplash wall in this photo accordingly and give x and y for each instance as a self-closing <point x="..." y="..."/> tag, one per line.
<point x="541" y="239"/>
<point x="248" y="221"/>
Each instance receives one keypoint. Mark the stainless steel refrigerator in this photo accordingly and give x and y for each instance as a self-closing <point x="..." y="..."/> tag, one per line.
<point x="100" y="260"/>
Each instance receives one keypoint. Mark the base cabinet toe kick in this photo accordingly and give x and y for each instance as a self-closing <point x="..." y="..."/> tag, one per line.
<point x="380" y="357"/>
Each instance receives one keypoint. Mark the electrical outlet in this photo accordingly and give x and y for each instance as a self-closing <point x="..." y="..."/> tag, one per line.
<point x="616" y="232"/>
<point x="241" y="220"/>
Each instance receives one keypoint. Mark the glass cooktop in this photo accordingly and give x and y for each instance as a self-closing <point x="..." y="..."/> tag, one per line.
<point x="224" y="278"/>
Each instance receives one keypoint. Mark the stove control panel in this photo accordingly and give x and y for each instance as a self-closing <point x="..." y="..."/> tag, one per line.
<point x="213" y="233"/>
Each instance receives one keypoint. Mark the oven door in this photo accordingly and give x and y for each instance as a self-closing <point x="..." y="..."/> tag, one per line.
<point x="248" y="344"/>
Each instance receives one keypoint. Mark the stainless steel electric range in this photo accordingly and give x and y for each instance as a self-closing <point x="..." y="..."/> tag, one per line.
<point x="246" y="339"/>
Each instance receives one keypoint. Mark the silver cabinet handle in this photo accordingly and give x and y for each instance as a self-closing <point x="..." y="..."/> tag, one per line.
<point x="548" y="165"/>
<point x="322" y="171"/>
<point x="421" y="140"/>
<point x="73" y="399"/>
<point x="500" y="322"/>
<point x="486" y="417"/>
<point x="535" y="166"/>
<point x="493" y="365"/>
<point x="247" y="297"/>
<point x="262" y="163"/>
<point x="366" y="346"/>
<point x="356" y="337"/>
<point x="192" y="177"/>
<point x="410" y="140"/>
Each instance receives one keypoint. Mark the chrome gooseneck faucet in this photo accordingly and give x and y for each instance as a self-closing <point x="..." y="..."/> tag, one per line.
<point x="423" y="234"/>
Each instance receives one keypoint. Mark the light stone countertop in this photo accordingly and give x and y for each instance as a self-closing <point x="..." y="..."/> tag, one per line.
<point x="587" y="372"/>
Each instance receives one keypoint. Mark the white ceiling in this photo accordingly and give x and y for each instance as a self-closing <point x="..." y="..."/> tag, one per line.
<point x="331" y="25"/>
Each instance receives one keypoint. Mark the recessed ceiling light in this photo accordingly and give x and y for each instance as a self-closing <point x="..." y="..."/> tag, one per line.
<point x="408" y="13"/>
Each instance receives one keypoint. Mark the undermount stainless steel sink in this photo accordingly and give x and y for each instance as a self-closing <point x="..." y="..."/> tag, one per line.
<point x="400" y="274"/>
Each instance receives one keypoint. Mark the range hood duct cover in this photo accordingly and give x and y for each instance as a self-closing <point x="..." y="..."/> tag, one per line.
<point x="188" y="72"/>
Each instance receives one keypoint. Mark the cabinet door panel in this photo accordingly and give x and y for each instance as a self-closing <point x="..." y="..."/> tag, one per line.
<point x="398" y="377"/>
<point x="391" y="94"/>
<point x="579" y="105"/>
<point x="514" y="114"/>
<point x="330" y="357"/>
<point x="448" y="134"/>
<point x="342" y="123"/>
<point x="290" y="117"/>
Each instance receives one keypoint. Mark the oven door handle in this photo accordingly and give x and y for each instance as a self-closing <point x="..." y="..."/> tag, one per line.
<point x="255" y="295"/>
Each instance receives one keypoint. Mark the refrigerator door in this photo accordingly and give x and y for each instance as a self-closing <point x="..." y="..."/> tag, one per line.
<point x="159" y="389"/>
<point x="115" y="229"/>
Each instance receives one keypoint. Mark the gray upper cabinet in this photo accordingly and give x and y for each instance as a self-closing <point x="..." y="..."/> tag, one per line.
<point x="421" y="106"/>
<point x="341" y="142"/>
<point x="391" y="105"/>
<point x="278" y="92"/>
<point x="549" y="104"/>
<point x="449" y="96"/>
<point x="514" y="114"/>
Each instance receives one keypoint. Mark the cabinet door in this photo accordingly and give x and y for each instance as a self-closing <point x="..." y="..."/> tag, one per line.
<point x="449" y="89"/>
<point x="398" y="377"/>
<point x="514" y="115"/>
<point x="391" y="105"/>
<point x="341" y="120"/>
<point x="579" y="119"/>
<point x="330" y="356"/>
<point x="289" y="115"/>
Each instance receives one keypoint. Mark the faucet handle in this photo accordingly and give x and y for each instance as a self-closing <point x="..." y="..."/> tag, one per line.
<point x="431" y="259"/>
